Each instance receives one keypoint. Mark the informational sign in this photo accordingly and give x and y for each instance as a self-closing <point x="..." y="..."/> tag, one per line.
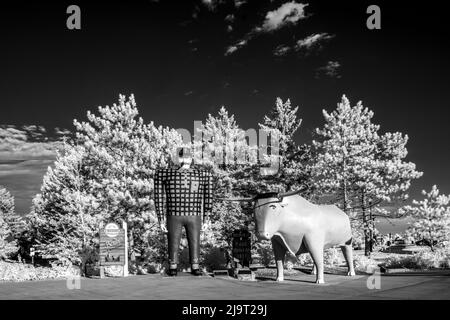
<point x="112" y="245"/>
<point x="242" y="247"/>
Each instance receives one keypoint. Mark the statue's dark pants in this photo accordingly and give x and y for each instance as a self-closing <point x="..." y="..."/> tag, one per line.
<point x="193" y="226"/>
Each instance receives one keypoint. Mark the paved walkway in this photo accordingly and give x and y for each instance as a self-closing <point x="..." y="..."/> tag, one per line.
<point x="401" y="286"/>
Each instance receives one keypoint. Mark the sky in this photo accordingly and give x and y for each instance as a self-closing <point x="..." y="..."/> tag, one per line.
<point x="185" y="59"/>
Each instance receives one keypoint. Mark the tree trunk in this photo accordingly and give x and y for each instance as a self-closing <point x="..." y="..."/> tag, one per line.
<point x="366" y="235"/>
<point x="345" y="188"/>
<point x="345" y="197"/>
<point x="371" y="229"/>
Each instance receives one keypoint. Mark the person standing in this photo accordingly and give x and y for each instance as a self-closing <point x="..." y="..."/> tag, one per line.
<point x="183" y="198"/>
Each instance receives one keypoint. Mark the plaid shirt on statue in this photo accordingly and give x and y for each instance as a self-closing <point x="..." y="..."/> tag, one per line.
<point x="183" y="192"/>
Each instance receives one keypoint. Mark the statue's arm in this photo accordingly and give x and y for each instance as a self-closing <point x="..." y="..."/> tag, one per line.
<point x="159" y="194"/>
<point x="207" y="196"/>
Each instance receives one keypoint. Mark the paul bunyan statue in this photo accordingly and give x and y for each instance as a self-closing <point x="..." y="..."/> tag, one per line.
<point x="183" y="198"/>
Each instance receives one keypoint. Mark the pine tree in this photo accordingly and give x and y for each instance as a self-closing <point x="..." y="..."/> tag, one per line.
<point x="431" y="218"/>
<point x="358" y="166"/>
<point x="293" y="172"/>
<point x="224" y="150"/>
<point x="106" y="174"/>
<point x="8" y="219"/>
<point x="65" y="215"/>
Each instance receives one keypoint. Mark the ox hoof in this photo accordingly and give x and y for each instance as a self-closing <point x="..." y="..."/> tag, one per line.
<point x="279" y="279"/>
<point x="320" y="281"/>
<point x="351" y="273"/>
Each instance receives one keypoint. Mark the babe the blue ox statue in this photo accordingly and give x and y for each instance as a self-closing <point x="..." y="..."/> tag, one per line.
<point x="296" y="225"/>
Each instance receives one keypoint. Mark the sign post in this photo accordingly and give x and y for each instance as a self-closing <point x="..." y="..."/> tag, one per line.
<point x="32" y="255"/>
<point x="125" y="266"/>
<point x="113" y="247"/>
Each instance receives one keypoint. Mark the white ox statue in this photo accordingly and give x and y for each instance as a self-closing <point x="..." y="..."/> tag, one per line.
<point x="296" y="225"/>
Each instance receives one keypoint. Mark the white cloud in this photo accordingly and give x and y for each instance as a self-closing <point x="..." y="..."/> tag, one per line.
<point x="230" y="50"/>
<point x="288" y="13"/>
<point x="312" y="41"/>
<point x="307" y="44"/>
<point x="229" y="18"/>
<point x="331" y="69"/>
<point x="211" y="4"/>
<point x="235" y="47"/>
<point x="62" y="131"/>
<point x="28" y="142"/>
<point x="281" y="50"/>
<point x="238" y="3"/>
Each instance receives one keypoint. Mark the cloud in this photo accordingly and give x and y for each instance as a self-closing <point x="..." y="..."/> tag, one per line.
<point x="188" y="93"/>
<point x="229" y="18"/>
<point x="29" y="142"/>
<point x="331" y="69"/>
<point x="211" y="4"/>
<point x="281" y="50"/>
<point x="193" y="45"/>
<point x="235" y="47"/>
<point x="289" y="13"/>
<point x="305" y="45"/>
<point x="25" y="154"/>
<point x="62" y="131"/>
<point x="238" y="3"/>
<point x="23" y="179"/>
<point x="313" y="41"/>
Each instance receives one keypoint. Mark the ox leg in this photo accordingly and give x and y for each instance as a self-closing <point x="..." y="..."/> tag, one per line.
<point x="314" y="269"/>
<point x="348" y="255"/>
<point x="280" y="253"/>
<point x="316" y="251"/>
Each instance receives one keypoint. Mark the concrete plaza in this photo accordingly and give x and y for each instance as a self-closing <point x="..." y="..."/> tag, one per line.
<point x="155" y="286"/>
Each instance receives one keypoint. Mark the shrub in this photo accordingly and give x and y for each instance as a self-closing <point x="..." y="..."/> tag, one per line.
<point x="364" y="264"/>
<point x="332" y="257"/>
<point x="423" y="260"/>
<point x="262" y="253"/>
<point x="304" y="260"/>
<point x="215" y="259"/>
<point x="15" y="271"/>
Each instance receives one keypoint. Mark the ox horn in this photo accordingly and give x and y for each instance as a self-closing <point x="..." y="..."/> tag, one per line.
<point x="249" y="199"/>
<point x="289" y="193"/>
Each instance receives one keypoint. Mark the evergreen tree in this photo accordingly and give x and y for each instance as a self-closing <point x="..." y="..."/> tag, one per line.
<point x="66" y="214"/>
<point x="293" y="172"/>
<point x="224" y="150"/>
<point x="357" y="165"/>
<point x="431" y="218"/>
<point x="106" y="174"/>
<point x="8" y="221"/>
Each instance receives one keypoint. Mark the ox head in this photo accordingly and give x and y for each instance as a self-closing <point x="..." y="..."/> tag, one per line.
<point x="268" y="208"/>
